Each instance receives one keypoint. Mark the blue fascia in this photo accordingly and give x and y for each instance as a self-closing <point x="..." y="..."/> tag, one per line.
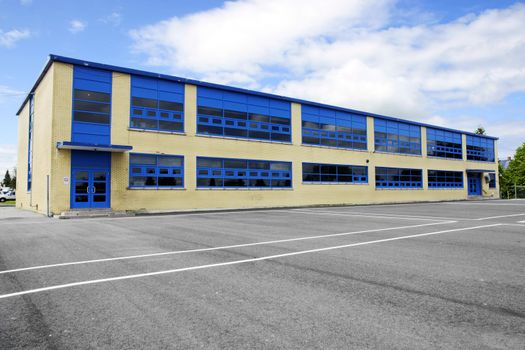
<point x="74" y="61"/>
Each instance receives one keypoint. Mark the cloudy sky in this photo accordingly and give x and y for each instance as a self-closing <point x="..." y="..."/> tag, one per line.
<point x="454" y="63"/>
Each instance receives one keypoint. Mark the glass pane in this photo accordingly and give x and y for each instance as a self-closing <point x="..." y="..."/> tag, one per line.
<point x="143" y="123"/>
<point x="234" y="164"/>
<point x="100" y="187"/>
<point x="172" y="106"/>
<point x="170" y="126"/>
<point x="81" y="199"/>
<point x="99" y="176"/>
<point x="81" y="187"/>
<point x="92" y="96"/>
<point x="170" y="161"/>
<point x="81" y="176"/>
<point x="99" y="198"/>
<point x="170" y="181"/>
<point x="91" y="117"/>
<point x="209" y="163"/>
<point x="143" y="102"/>
<point x="142" y="159"/>
<point x="92" y="106"/>
<point x="210" y="111"/>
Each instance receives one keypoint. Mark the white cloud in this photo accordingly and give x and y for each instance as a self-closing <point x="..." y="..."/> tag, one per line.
<point x="347" y="53"/>
<point x="7" y="93"/>
<point x="26" y="2"/>
<point x="114" y="19"/>
<point x="7" y="159"/>
<point x="8" y="39"/>
<point x="76" y="26"/>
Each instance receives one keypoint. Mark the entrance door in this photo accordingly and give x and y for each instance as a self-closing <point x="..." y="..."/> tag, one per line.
<point x="90" y="188"/>
<point x="474" y="185"/>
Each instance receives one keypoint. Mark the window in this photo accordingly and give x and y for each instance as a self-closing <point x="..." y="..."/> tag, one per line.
<point x="91" y="96"/>
<point x="157" y="104"/>
<point x="225" y="172"/>
<point x="241" y="115"/>
<point x="398" y="178"/>
<point x="327" y="127"/>
<point x="334" y="173"/>
<point x="444" y="144"/>
<point x="492" y="180"/>
<point x="445" y="179"/>
<point x="30" y="142"/>
<point x="396" y="137"/>
<point x="480" y="148"/>
<point x="155" y="171"/>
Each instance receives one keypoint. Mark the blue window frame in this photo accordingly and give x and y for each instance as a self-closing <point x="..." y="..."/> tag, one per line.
<point x="334" y="173"/>
<point x="398" y="178"/>
<point x="91" y="105"/>
<point x="444" y="144"/>
<point x="328" y="127"/>
<point x="30" y="142"/>
<point x="241" y="115"/>
<point x="480" y="148"/>
<point x="156" y="104"/>
<point x="445" y="179"/>
<point x="492" y="180"/>
<point x="396" y="137"/>
<point x="226" y="172"/>
<point x="155" y="171"/>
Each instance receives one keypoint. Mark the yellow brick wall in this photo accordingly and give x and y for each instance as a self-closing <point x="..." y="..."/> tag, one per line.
<point x="23" y="197"/>
<point x="41" y="162"/>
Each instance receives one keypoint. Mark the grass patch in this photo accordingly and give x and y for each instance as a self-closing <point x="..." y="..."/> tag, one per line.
<point x="8" y="203"/>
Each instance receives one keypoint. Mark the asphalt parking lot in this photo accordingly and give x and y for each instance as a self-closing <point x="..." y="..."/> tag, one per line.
<point x="407" y="276"/>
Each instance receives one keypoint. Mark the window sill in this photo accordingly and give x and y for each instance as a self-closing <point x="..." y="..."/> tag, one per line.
<point x="333" y="147"/>
<point x="244" y="188"/>
<point x="158" y="131"/>
<point x="156" y="188"/>
<point x="334" y="183"/>
<point x="481" y="161"/>
<point x="243" y="139"/>
<point x="400" y="154"/>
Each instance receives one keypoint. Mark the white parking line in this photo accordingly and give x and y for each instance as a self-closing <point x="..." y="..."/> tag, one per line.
<point x="368" y="215"/>
<point x="219" y="248"/>
<point x="500" y="216"/>
<point x="200" y="267"/>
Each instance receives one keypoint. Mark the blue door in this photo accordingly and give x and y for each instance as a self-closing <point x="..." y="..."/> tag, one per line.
<point x="474" y="185"/>
<point x="90" y="188"/>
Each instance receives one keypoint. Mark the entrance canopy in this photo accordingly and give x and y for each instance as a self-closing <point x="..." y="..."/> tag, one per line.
<point x="93" y="147"/>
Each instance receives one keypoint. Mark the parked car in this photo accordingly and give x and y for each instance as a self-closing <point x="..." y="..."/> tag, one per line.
<point x="7" y="195"/>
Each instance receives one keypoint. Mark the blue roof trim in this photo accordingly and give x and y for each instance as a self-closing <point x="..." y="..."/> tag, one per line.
<point x="91" y="146"/>
<point x="63" y="59"/>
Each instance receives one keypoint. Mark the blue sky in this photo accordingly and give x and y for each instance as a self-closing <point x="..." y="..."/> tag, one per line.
<point x="452" y="63"/>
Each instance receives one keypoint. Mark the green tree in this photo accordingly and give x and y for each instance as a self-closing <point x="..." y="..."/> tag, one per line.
<point x="505" y="184"/>
<point x="480" y="130"/>
<point x="13" y="180"/>
<point x="7" y="179"/>
<point x="516" y="169"/>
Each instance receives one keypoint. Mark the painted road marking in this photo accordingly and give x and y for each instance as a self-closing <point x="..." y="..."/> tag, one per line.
<point x="200" y="267"/>
<point x="501" y="216"/>
<point x="366" y="215"/>
<point x="219" y="248"/>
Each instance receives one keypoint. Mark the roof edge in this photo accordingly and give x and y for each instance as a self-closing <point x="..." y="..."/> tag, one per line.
<point x="74" y="61"/>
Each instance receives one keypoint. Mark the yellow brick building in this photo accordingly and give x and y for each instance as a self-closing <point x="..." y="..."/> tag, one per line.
<point x="97" y="136"/>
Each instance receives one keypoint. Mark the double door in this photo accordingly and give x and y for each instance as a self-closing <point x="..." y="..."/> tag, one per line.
<point x="90" y="188"/>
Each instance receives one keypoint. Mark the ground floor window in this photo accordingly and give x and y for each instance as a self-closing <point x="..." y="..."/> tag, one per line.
<point x="445" y="179"/>
<point x="492" y="180"/>
<point x="398" y="178"/>
<point x="226" y="172"/>
<point x="155" y="171"/>
<point x="334" y="173"/>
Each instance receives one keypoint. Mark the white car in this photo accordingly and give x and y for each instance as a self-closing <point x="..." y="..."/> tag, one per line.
<point x="7" y="195"/>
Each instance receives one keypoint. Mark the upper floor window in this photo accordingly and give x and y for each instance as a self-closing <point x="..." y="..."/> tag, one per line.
<point x="226" y="172"/>
<point x="397" y="137"/>
<point x="242" y="115"/>
<point x="157" y="104"/>
<point x="480" y="148"/>
<point x="444" y="144"/>
<point x="334" y="173"/>
<point x="91" y="95"/>
<point x="398" y="178"/>
<point x="328" y="127"/>
<point x="156" y="171"/>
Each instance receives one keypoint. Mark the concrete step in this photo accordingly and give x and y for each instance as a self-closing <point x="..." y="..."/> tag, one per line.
<point x="92" y="213"/>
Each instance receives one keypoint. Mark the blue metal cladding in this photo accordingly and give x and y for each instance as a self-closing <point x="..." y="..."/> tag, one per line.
<point x="156" y="104"/>
<point x="398" y="178"/>
<point x="444" y="144"/>
<point x="91" y="105"/>
<point x="445" y="179"/>
<point x="396" y="137"/>
<point x="480" y="148"/>
<point x="234" y="114"/>
<point x="156" y="171"/>
<point x="334" y="173"/>
<point x="30" y="142"/>
<point x="236" y="173"/>
<point x="330" y="127"/>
